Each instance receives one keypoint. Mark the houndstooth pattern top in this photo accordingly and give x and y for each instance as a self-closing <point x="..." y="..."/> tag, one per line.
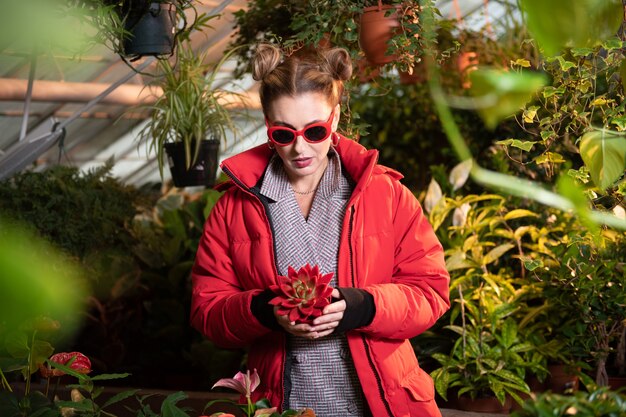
<point x="320" y="373"/>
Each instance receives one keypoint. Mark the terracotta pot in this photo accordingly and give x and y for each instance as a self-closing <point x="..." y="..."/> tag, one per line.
<point x="466" y="62"/>
<point x="485" y="405"/>
<point x="378" y="25"/>
<point x="419" y="74"/>
<point x="365" y="72"/>
<point x="562" y="379"/>
<point x="616" y="382"/>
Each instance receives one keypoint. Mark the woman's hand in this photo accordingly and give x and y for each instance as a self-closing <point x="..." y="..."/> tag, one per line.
<point x="322" y="325"/>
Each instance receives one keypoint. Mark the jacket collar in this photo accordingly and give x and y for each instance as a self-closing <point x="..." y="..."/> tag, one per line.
<point x="247" y="168"/>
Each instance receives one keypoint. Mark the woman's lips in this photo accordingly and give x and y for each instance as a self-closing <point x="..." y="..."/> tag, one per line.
<point x="302" y="162"/>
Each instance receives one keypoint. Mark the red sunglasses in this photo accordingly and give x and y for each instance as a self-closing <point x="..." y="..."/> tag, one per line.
<point x="313" y="133"/>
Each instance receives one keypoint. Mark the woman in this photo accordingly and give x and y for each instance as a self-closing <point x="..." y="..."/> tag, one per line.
<point x="312" y="196"/>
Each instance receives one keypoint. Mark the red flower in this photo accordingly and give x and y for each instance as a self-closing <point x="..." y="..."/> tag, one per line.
<point x="302" y="295"/>
<point x="80" y="364"/>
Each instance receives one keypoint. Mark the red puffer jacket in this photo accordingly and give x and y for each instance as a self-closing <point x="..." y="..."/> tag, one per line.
<point x="387" y="247"/>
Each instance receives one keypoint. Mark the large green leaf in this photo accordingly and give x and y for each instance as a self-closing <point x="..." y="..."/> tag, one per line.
<point x="500" y="93"/>
<point x="496" y="253"/>
<point x="604" y="154"/>
<point x="556" y="24"/>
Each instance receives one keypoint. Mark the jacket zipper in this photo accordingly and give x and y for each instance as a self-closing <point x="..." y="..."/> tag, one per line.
<point x="381" y="391"/>
<point x="269" y="222"/>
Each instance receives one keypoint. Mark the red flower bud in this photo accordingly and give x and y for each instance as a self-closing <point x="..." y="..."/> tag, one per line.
<point x="80" y="364"/>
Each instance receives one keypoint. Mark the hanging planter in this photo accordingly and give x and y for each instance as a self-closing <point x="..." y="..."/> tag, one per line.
<point x="419" y="74"/>
<point x="151" y="30"/>
<point x="202" y="171"/>
<point x="378" y="25"/>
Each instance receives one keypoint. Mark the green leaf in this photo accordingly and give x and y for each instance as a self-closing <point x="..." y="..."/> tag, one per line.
<point x="547" y="134"/>
<point x="120" y="397"/>
<point x="457" y="261"/>
<point x="568" y="188"/>
<point x="525" y="145"/>
<point x="16" y="344"/>
<point x="565" y="65"/>
<point x="521" y="63"/>
<point x="496" y="253"/>
<point x="604" y="153"/>
<point x="532" y="264"/>
<point x="169" y="407"/>
<point x="518" y="213"/>
<point x="509" y="332"/>
<point x="620" y="122"/>
<point x="550" y="157"/>
<point x="442" y="380"/>
<point x="503" y="93"/>
<point x="557" y="24"/>
<point x="613" y="44"/>
<point x="40" y="351"/>
<point x="83" y="405"/>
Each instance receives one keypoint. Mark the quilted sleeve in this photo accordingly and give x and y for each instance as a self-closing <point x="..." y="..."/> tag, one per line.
<point x="417" y="293"/>
<point x="220" y="307"/>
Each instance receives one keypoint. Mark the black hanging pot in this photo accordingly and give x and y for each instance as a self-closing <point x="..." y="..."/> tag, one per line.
<point x="151" y="30"/>
<point x="202" y="172"/>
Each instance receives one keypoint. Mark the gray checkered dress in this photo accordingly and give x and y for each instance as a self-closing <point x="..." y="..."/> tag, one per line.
<point x="319" y="373"/>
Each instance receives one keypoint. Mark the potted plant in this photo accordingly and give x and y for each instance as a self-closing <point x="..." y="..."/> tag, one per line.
<point x="597" y="402"/>
<point x="190" y="118"/>
<point x="136" y="28"/>
<point x="486" y="367"/>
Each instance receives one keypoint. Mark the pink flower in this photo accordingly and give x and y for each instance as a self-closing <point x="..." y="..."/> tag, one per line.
<point x="265" y="412"/>
<point x="80" y="363"/>
<point x="302" y="295"/>
<point x="244" y="384"/>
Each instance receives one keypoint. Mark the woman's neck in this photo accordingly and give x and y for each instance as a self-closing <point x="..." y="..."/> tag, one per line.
<point x="308" y="184"/>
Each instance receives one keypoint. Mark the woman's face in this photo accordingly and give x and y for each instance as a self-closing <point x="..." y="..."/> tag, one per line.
<point x="302" y="158"/>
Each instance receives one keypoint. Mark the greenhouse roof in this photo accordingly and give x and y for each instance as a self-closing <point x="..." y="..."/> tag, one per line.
<point x="65" y="92"/>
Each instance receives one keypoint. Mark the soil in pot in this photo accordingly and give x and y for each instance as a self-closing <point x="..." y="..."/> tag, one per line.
<point x="202" y="173"/>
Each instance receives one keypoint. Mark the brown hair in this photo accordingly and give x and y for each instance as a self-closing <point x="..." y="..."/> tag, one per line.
<point x="305" y="71"/>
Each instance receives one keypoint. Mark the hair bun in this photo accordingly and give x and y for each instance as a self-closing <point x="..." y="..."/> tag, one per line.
<point x="266" y="59"/>
<point x="339" y="63"/>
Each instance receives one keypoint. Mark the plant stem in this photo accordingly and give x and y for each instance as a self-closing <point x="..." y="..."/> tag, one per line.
<point x="47" y="386"/>
<point x="30" y="364"/>
<point x="5" y="383"/>
<point x="56" y="386"/>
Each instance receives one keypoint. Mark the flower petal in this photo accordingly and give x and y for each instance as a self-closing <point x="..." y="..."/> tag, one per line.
<point x="232" y="383"/>
<point x="255" y="380"/>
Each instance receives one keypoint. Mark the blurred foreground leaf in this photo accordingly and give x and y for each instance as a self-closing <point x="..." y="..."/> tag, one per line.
<point x="36" y="281"/>
<point x="604" y="154"/>
<point x="502" y="93"/>
<point x="556" y="24"/>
